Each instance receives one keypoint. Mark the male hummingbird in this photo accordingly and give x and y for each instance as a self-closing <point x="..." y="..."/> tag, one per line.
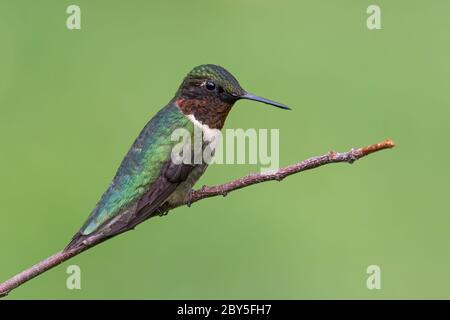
<point x="148" y="180"/>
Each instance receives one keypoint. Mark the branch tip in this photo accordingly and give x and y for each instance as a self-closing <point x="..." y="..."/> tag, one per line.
<point x="386" y="144"/>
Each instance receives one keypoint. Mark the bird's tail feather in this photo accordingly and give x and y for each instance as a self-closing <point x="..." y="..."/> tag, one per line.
<point x="76" y="242"/>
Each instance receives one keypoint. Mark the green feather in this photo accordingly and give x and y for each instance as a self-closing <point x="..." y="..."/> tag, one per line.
<point x="141" y="166"/>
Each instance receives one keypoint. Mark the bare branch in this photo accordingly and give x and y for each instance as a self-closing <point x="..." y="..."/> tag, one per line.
<point x="311" y="163"/>
<point x="205" y="192"/>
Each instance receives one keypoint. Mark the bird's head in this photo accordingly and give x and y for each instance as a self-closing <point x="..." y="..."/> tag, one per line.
<point x="209" y="91"/>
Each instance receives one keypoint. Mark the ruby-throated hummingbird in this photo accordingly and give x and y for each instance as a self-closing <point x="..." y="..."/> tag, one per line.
<point x="148" y="180"/>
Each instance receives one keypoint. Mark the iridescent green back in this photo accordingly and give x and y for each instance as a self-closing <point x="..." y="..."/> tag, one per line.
<point x="140" y="167"/>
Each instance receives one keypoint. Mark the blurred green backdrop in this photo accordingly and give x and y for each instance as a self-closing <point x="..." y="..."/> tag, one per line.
<point x="72" y="102"/>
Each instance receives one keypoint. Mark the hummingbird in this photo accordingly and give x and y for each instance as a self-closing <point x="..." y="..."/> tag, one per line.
<point x="148" y="181"/>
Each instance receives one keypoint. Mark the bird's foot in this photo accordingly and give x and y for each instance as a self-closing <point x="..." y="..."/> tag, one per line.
<point x="162" y="211"/>
<point x="190" y="198"/>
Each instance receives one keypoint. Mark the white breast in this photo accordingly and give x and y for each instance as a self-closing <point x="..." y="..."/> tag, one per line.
<point x="209" y="135"/>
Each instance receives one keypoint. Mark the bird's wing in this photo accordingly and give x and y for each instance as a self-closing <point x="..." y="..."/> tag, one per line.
<point x="171" y="177"/>
<point x="145" y="178"/>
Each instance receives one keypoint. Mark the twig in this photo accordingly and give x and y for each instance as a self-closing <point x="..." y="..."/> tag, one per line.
<point x="206" y="192"/>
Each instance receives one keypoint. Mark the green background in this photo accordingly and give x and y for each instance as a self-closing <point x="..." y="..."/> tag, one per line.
<point x="72" y="102"/>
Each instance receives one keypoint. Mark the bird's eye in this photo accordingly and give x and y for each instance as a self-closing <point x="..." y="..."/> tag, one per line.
<point x="210" y="85"/>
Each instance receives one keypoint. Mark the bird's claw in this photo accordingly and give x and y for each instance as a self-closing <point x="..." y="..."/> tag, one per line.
<point x="189" y="198"/>
<point x="161" y="212"/>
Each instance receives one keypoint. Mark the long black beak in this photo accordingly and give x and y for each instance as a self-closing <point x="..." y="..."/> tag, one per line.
<point x="250" y="96"/>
